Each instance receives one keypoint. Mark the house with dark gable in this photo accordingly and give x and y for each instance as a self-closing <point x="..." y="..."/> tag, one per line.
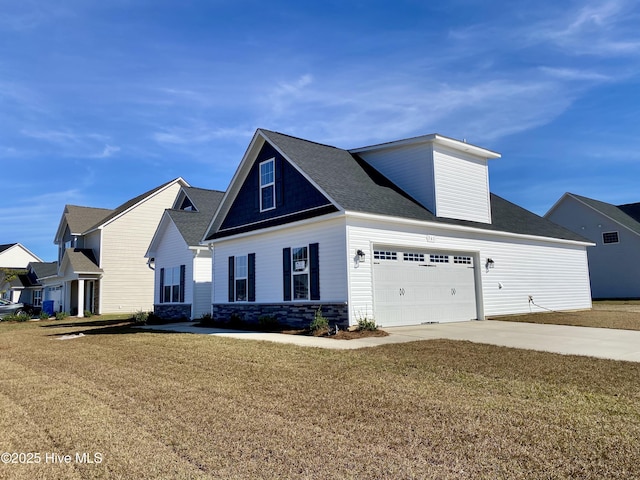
<point x="405" y="232"/>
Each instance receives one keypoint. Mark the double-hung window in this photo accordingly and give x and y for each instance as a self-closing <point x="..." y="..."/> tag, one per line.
<point x="267" y="185"/>
<point x="241" y="278"/>
<point x="172" y="284"/>
<point x="37" y="298"/>
<point x="300" y="263"/>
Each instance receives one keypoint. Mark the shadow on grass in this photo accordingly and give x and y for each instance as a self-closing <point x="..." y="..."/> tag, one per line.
<point x="88" y="323"/>
<point x="107" y="327"/>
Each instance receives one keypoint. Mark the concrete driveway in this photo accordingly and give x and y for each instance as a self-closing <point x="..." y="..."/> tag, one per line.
<point x="592" y="342"/>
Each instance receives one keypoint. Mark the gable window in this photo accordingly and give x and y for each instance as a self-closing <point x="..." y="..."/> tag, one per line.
<point x="172" y="284"/>
<point x="267" y="185"/>
<point x="242" y="278"/>
<point x="301" y="272"/>
<point x="610" y="237"/>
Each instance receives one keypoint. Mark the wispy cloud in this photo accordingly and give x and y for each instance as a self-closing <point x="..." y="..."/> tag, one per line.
<point x="73" y="144"/>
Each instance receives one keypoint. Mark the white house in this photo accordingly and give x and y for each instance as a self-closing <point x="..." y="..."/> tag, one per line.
<point x="182" y="265"/>
<point x="405" y="232"/>
<point x="614" y="261"/>
<point x="101" y="263"/>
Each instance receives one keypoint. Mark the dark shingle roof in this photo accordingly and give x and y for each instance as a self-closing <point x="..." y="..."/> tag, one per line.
<point x="83" y="260"/>
<point x="6" y="246"/>
<point x="191" y="224"/>
<point x="81" y="219"/>
<point x="44" y="269"/>
<point x="627" y="215"/>
<point x="356" y="186"/>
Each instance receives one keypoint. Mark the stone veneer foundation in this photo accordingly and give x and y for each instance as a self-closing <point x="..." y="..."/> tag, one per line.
<point x="297" y="315"/>
<point x="173" y="311"/>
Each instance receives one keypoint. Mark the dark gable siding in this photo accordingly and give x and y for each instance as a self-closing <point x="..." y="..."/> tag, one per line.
<point x="294" y="194"/>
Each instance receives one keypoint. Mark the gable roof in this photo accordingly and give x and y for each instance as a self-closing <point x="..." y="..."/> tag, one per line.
<point x="82" y="260"/>
<point x="193" y="224"/>
<point x="354" y="186"/>
<point x="80" y="219"/>
<point x="44" y="269"/>
<point x="627" y="215"/>
<point x="6" y="246"/>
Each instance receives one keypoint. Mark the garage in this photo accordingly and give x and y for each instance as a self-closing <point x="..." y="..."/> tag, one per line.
<point x="414" y="287"/>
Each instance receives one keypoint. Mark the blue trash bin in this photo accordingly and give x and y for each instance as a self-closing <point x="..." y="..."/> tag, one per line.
<point x="47" y="307"/>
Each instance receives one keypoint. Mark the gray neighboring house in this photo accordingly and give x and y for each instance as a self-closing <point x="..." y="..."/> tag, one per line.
<point x="614" y="261"/>
<point x="26" y="287"/>
<point x="182" y="265"/>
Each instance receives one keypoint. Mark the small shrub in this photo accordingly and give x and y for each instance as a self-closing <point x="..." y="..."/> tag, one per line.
<point x="140" y="317"/>
<point x="236" y="321"/>
<point x="366" y="323"/>
<point x="17" y="317"/>
<point x="206" y="320"/>
<point x="268" y="322"/>
<point x="43" y="315"/>
<point x="320" y="323"/>
<point x="61" y="315"/>
<point x="87" y="313"/>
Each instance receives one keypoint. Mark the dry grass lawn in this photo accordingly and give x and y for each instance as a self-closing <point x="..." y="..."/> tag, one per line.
<point x="159" y="405"/>
<point x="622" y="314"/>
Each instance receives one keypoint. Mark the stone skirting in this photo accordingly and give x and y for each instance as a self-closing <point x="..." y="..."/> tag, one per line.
<point x="298" y="315"/>
<point x="172" y="311"/>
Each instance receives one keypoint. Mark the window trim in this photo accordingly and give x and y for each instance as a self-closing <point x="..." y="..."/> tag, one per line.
<point x="177" y="274"/>
<point x="617" y="238"/>
<point x="311" y="270"/>
<point x="37" y="297"/>
<point x="237" y="277"/>
<point x="304" y="272"/>
<point x="271" y="184"/>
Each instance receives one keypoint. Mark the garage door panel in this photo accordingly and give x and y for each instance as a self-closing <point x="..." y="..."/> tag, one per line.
<point x="414" y="292"/>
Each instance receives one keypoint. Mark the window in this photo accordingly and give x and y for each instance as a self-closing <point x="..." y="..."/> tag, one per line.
<point x="462" y="259"/>
<point x="439" y="258"/>
<point x="384" y="255"/>
<point x="413" y="257"/>
<point x="242" y="278"/>
<point x="241" y="275"/>
<point x="172" y="284"/>
<point x="267" y="185"/>
<point x="301" y="273"/>
<point x="610" y="237"/>
<point x="300" y="280"/>
<point x="37" y="298"/>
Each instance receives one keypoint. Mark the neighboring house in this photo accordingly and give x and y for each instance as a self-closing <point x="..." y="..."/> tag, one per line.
<point x="405" y="233"/>
<point x="614" y="261"/>
<point x="26" y="287"/>
<point x="14" y="258"/>
<point x="101" y="264"/>
<point x="183" y="266"/>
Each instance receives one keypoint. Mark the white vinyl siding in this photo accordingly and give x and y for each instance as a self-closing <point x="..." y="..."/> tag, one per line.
<point x="411" y="168"/>
<point x="128" y="283"/>
<point x="16" y="257"/>
<point x="462" y="186"/>
<point x="554" y="274"/>
<point x="268" y="246"/>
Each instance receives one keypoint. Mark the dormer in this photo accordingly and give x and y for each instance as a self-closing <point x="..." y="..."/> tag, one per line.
<point x="448" y="177"/>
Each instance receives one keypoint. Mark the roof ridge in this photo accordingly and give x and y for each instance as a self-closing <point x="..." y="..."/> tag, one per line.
<point x="302" y="139"/>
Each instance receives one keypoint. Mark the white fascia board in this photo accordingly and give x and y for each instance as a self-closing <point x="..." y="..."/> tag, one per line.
<point x="432" y="138"/>
<point x="461" y="228"/>
<point x="156" y="235"/>
<point x="308" y="221"/>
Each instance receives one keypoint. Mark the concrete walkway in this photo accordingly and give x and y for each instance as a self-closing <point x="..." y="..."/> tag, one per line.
<point x="593" y="342"/>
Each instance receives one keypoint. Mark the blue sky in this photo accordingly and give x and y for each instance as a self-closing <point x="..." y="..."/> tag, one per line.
<point x="101" y="101"/>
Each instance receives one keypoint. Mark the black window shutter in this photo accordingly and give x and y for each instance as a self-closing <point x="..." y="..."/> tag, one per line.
<point x="182" y="278"/>
<point x="277" y="165"/>
<point x="251" y="287"/>
<point x="231" y="279"/>
<point x="286" y="274"/>
<point x="314" y="272"/>
<point x="162" y="285"/>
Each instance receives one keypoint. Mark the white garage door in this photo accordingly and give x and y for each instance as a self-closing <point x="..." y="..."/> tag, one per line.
<point x="413" y="287"/>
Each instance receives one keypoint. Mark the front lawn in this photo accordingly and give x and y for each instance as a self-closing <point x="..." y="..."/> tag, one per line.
<point x="160" y="405"/>
<point x="623" y="314"/>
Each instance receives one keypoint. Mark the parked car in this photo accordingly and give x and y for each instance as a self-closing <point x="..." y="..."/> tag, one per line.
<point x="9" y="308"/>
